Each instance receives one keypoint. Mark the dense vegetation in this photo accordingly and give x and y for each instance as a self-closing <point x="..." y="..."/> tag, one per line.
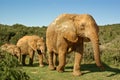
<point x="9" y="68"/>
<point x="11" y="34"/>
<point x="109" y="36"/>
<point x="109" y="40"/>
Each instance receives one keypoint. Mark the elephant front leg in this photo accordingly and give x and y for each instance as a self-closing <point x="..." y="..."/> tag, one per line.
<point x="31" y="59"/>
<point x="62" y="61"/>
<point x="55" y="61"/>
<point x="76" y="70"/>
<point x="40" y="57"/>
<point x="78" y="58"/>
<point x="40" y="60"/>
<point x="51" y="65"/>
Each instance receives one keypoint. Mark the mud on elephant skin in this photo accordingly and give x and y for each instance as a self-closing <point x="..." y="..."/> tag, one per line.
<point x="12" y="49"/>
<point x="71" y="31"/>
<point x="31" y="44"/>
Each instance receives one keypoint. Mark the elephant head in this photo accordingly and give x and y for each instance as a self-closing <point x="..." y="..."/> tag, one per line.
<point x="17" y="52"/>
<point x="84" y="26"/>
<point x="37" y="44"/>
<point x="4" y="47"/>
<point x="12" y="49"/>
<point x="41" y="45"/>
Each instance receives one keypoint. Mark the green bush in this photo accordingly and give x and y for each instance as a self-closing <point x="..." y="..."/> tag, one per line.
<point x="111" y="57"/>
<point x="11" y="34"/>
<point x="109" y="35"/>
<point x="9" y="68"/>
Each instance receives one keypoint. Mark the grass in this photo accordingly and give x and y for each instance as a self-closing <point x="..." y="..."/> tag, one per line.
<point x="90" y="72"/>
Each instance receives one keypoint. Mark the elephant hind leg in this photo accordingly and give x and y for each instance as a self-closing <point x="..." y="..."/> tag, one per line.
<point x="51" y="64"/>
<point x="23" y="59"/>
<point x="31" y="59"/>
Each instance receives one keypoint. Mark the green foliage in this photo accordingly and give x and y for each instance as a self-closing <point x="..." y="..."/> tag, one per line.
<point x="11" y="34"/>
<point x="109" y="32"/>
<point x="88" y="53"/>
<point x="9" y="69"/>
<point x="109" y="36"/>
<point x="111" y="57"/>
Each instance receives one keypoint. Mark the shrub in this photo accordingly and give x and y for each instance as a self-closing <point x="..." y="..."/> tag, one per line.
<point x="111" y="57"/>
<point x="109" y="36"/>
<point x="9" y="69"/>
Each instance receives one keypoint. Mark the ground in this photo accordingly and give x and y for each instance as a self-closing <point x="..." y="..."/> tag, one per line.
<point x="90" y="72"/>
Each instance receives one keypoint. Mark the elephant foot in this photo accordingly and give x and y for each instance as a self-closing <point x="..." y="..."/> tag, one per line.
<point x="41" y="65"/>
<point x="101" y="68"/>
<point x="51" y="67"/>
<point x="77" y="73"/>
<point x="30" y="64"/>
<point x="24" y="64"/>
<point x="60" y="69"/>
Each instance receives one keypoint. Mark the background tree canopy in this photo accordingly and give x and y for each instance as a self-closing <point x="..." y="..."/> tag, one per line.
<point x="109" y="36"/>
<point x="11" y="34"/>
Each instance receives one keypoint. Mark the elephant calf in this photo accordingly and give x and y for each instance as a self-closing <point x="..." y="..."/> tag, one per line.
<point x="29" y="45"/>
<point x="11" y="48"/>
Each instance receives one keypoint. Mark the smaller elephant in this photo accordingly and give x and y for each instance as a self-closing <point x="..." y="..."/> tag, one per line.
<point x="29" y="45"/>
<point x="11" y="48"/>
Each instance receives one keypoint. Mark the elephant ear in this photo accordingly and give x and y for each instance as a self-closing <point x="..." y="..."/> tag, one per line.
<point x="69" y="31"/>
<point x="33" y="44"/>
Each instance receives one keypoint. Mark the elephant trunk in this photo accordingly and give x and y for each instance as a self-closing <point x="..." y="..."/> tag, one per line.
<point x="42" y="49"/>
<point x="95" y="43"/>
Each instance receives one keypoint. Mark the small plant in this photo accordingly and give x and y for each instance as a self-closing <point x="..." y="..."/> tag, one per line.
<point x="9" y="69"/>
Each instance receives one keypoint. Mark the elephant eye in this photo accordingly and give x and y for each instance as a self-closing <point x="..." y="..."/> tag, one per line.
<point x="82" y="27"/>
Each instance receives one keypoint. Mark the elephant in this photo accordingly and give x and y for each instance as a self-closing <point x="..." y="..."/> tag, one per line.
<point x="12" y="49"/>
<point x="31" y="44"/>
<point x="69" y="32"/>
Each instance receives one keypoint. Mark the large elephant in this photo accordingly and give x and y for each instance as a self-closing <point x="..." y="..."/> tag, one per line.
<point x="29" y="45"/>
<point x="12" y="49"/>
<point x="69" y="31"/>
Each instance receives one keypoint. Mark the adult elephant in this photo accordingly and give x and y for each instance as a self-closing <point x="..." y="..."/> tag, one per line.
<point x="69" y="31"/>
<point x="29" y="45"/>
<point x="12" y="49"/>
